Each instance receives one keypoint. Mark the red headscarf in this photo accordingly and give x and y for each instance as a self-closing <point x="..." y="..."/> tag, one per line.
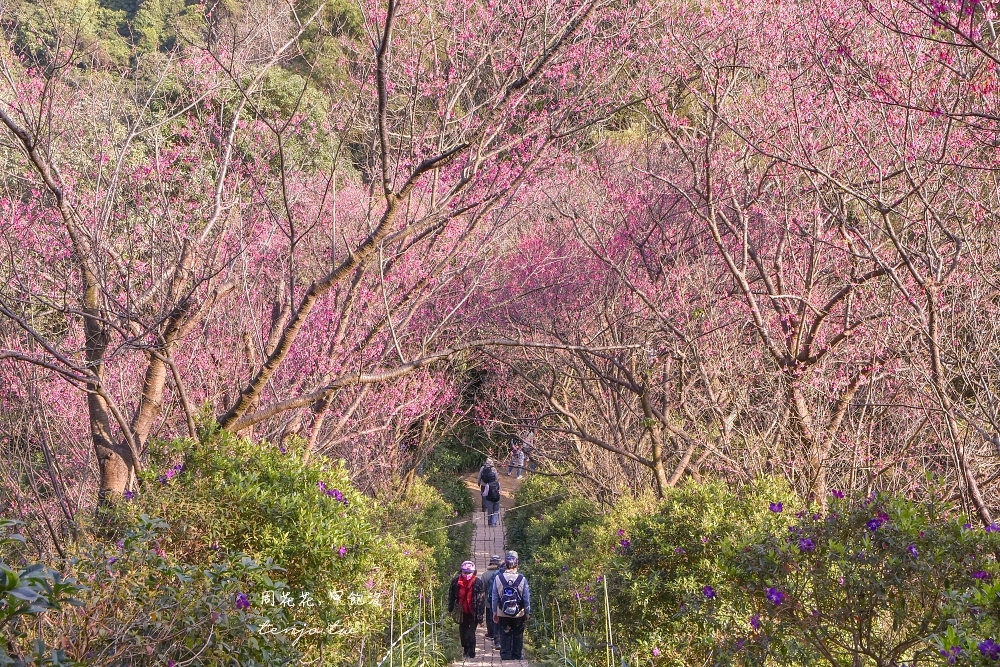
<point x="465" y="585"/>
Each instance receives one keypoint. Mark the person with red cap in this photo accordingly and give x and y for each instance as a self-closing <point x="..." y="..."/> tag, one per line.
<point x="467" y="602"/>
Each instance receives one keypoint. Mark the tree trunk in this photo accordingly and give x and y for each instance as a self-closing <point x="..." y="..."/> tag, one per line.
<point x="114" y="458"/>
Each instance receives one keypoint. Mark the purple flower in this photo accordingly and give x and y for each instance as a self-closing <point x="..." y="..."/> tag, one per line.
<point x="282" y="449"/>
<point x="621" y="532"/>
<point x="335" y="494"/>
<point x="992" y="528"/>
<point x="755" y="622"/>
<point x="162" y="479"/>
<point x="981" y="575"/>
<point x="120" y="544"/>
<point x="837" y="494"/>
<point x="626" y="543"/>
<point x="342" y="551"/>
<point x="966" y="526"/>
<point x="990" y="649"/>
<point x="952" y="655"/>
<point x="678" y="550"/>
<point x="774" y="596"/>
<point x="913" y="550"/>
<point x="242" y="601"/>
<point x="708" y="592"/>
<point x="806" y="545"/>
<point x="563" y="568"/>
<point x="111" y="561"/>
<point x="656" y="653"/>
<point x="129" y="495"/>
<point x="322" y="486"/>
<point x="776" y="507"/>
<point x="877" y="522"/>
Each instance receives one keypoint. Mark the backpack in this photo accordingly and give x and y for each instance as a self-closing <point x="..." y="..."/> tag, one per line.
<point x="489" y="475"/>
<point x="510" y="604"/>
<point x="492" y="491"/>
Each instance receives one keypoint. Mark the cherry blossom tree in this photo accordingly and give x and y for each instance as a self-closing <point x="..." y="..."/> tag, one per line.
<point x="214" y="229"/>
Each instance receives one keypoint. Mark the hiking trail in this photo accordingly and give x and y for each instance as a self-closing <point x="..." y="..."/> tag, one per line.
<point x="488" y="540"/>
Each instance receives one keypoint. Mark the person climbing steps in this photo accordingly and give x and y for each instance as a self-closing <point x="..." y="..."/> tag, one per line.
<point x="467" y="604"/>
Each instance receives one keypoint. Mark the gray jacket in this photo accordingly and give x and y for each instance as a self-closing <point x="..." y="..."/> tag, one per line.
<point x="488" y="578"/>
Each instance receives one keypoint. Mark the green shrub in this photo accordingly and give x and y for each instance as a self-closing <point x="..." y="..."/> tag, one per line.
<point x="709" y="575"/>
<point x="144" y="606"/>
<point x="453" y="455"/>
<point x="454" y="491"/>
<point x="868" y="583"/>
<point x="356" y="558"/>
<point x="26" y="594"/>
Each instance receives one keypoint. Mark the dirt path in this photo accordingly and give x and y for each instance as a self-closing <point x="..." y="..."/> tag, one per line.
<point x="488" y="540"/>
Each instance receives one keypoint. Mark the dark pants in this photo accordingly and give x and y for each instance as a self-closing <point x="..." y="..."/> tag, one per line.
<point x="511" y="638"/>
<point x="489" y="621"/>
<point x="467" y="634"/>
<point x="492" y="509"/>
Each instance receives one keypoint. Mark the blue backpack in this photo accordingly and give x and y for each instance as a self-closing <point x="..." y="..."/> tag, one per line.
<point x="510" y="604"/>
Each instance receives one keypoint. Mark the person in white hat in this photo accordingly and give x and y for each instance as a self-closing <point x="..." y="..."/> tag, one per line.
<point x="511" y="608"/>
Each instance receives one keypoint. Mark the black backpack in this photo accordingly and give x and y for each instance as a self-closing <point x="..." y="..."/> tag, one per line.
<point x="489" y="475"/>
<point x="493" y="490"/>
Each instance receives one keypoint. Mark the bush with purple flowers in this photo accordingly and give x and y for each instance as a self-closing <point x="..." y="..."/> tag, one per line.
<point x="153" y="608"/>
<point x="715" y="577"/>
<point x="875" y="582"/>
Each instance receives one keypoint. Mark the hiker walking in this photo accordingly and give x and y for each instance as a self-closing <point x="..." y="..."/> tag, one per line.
<point x="489" y="485"/>
<point x="527" y="437"/>
<point x="488" y="576"/>
<point x="489" y="464"/>
<point x="511" y="608"/>
<point x="467" y="604"/>
<point x="516" y="459"/>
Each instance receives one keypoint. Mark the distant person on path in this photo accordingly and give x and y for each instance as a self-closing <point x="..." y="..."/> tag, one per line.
<point x="488" y="576"/>
<point x="516" y="459"/>
<point x="489" y="487"/>
<point x="488" y="465"/>
<point x="468" y="594"/>
<point x="511" y="608"/>
<point x="527" y="436"/>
